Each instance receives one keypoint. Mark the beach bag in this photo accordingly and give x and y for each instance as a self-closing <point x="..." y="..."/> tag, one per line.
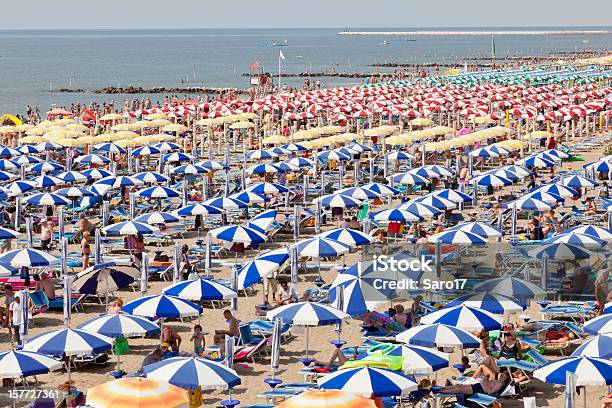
<point x="121" y="346"/>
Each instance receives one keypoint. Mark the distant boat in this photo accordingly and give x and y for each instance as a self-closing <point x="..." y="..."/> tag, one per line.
<point x="384" y="43"/>
<point x="283" y="44"/>
<point x="585" y="41"/>
<point x="409" y="39"/>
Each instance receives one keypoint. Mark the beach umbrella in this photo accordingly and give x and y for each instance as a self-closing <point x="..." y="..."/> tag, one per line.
<point x="528" y="204"/>
<point x="338" y="201"/>
<point x="200" y="290"/>
<point x="327" y="399"/>
<point x="267" y="188"/>
<point x="440" y="170"/>
<point x="191" y="373"/>
<point x="211" y="165"/>
<point x="381" y="189"/>
<point x="560" y="251"/>
<point x="73" y="192"/>
<point x="167" y="146"/>
<point x="588" y="371"/>
<point x="238" y="233"/>
<point x="557" y="190"/>
<point x="417" y="359"/>
<point x="7" y="270"/>
<point x="6" y="233"/>
<point x="359" y="148"/>
<point x="130" y="228"/>
<point x="425" y="172"/>
<point x="295" y="147"/>
<point x="27" y="257"/>
<point x="599" y="167"/>
<point x="162" y="306"/>
<point x="105" y="278"/>
<point x="17" y="188"/>
<point x="28" y="149"/>
<point x="592" y="230"/>
<point x="120" y="325"/>
<point x="599" y="346"/>
<point x="332" y="155"/>
<point x="69" y="342"/>
<point x="190" y="169"/>
<point x="120" y="181"/>
<point x="488" y="152"/>
<point x="45" y="167"/>
<point x="348" y="236"/>
<point x="7" y="165"/>
<point x="151" y="177"/>
<point x="536" y="161"/>
<point x="96" y="174"/>
<point x="158" y="192"/>
<point x="510" y="286"/>
<point x="491" y="302"/>
<point x="397" y="155"/>
<point x="156" y="218"/>
<point x="421" y="209"/>
<point x="226" y="203"/>
<point x="438" y="335"/>
<point x="457" y="236"/>
<point x="408" y="179"/>
<point x="396" y="215"/>
<point x="72" y="177"/>
<point x="359" y="193"/>
<point x="296" y="164"/>
<point x="577" y="182"/>
<point x="368" y="381"/>
<point x="25" y="160"/>
<point x="575" y="238"/>
<point x="8" y="151"/>
<point x="90" y="159"/>
<point x="133" y="392"/>
<point x="263" y="168"/>
<point x="19" y="364"/>
<point x="490" y="180"/>
<point x="320" y="247"/>
<point x="249" y="197"/>
<point x="599" y="325"/>
<point x="261" y="155"/>
<point x="479" y="228"/>
<point x="177" y="157"/>
<point x="47" y="181"/>
<point x="198" y="209"/>
<point x="42" y="199"/>
<point x="261" y="267"/>
<point x="451" y="195"/>
<point x="47" y="145"/>
<point x="4" y="176"/>
<point x="111" y="148"/>
<point x="464" y="317"/>
<point x="543" y="196"/>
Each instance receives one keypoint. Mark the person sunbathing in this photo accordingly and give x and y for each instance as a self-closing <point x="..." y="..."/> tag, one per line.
<point x="559" y="339"/>
<point x="591" y="207"/>
<point x="486" y="386"/>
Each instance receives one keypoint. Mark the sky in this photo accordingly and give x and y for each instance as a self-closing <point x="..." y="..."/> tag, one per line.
<point x="62" y="14"/>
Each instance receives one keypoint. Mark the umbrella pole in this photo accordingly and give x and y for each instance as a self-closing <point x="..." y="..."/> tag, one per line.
<point x="307" y="335"/>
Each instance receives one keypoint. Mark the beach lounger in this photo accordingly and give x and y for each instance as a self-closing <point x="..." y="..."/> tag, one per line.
<point x="40" y="302"/>
<point x="278" y="394"/>
<point x="482" y="400"/>
<point x="247" y="353"/>
<point x="76" y="302"/>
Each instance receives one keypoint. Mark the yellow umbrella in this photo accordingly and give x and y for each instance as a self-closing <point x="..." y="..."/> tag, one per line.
<point x="242" y="125"/>
<point x="332" y="129"/>
<point x="126" y="142"/>
<point x="421" y="122"/>
<point x="47" y="123"/>
<point x="123" y="126"/>
<point x="397" y="141"/>
<point x="135" y="392"/>
<point x="156" y="116"/>
<point x="327" y="399"/>
<point x="70" y="142"/>
<point x="125" y="134"/>
<point x="8" y="129"/>
<point x="276" y="139"/>
<point x="143" y="140"/>
<point x="78" y="127"/>
<point x="304" y="135"/>
<point x="483" y="119"/>
<point x="205" y="122"/>
<point x="248" y="115"/>
<point x="54" y="135"/>
<point x="175" y="127"/>
<point x="32" y="139"/>
<point x="539" y="134"/>
<point x="64" y="121"/>
<point x="24" y="128"/>
<point x="87" y="139"/>
<point x="441" y="130"/>
<point x="112" y="116"/>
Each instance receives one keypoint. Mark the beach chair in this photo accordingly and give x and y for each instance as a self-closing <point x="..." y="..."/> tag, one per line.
<point x="76" y="302"/>
<point x="482" y="400"/>
<point x="246" y="336"/>
<point x="40" y="302"/>
<point x="247" y="353"/>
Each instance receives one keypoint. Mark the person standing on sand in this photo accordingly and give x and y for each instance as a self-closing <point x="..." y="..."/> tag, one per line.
<point x="85" y="249"/>
<point x="602" y="290"/>
<point x="233" y="331"/>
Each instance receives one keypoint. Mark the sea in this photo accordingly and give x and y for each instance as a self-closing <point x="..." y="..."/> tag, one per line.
<point x="35" y="64"/>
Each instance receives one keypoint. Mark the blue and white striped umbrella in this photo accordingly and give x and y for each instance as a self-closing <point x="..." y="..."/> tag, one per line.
<point x="535" y="161"/>
<point x="557" y="189"/>
<point x="130" y="228"/>
<point x="211" y="165"/>
<point x="368" y="381"/>
<point x="200" y="290"/>
<point x="74" y="192"/>
<point x="261" y="267"/>
<point x="514" y="287"/>
<point x="295" y="164"/>
<point x="355" y="291"/>
<point x="575" y="238"/>
<point x="591" y="230"/>
<point x="490" y="180"/>
<point x="395" y="214"/>
<point x="588" y="371"/>
<point x="549" y="198"/>
<point x="156" y="218"/>
<point x="8" y="151"/>
<point x="419" y="359"/>
<point x="19" y="187"/>
<point x="464" y="317"/>
<point x="607" y="308"/>
<point x="267" y="188"/>
<point x="560" y="251"/>
<point x="528" y="204"/>
<point x="119" y="181"/>
<point x="407" y="178"/>
<point x="191" y="373"/>
<point x="25" y="160"/>
<point x="71" y="342"/>
<point x="455" y="196"/>
<point x="261" y="155"/>
<point x="97" y="174"/>
<point x="599" y="346"/>
<point x="72" y="177"/>
<point x="263" y="221"/>
<point x="117" y="325"/>
<point x="456" y="236"/>
<point x="491" y="302"/>
<point x="8" y="165"/>
<point x="600" y="167"/>
<point x="19" y="364"/>
<point x="190" y="169"/>
<point x="577" y="181"/>
<point x="381" y="189"/>
<point x="279" y="150"/>
<point x="332" y="155"/>
<point x="263" y="168"/>
<point x="359" y="148"/>
<point x="319" y="247"/>
<point x="504" y="173"/>
<point x="307" y="314"/>
<point x="177" y="157"/>
<point x="151" y="177"/>
<point x="486" y="152"/>
<point x="4" y="176"/>
<point x="440" y="170"/>
<point x="47" y="145"/>
<point x="359" y="193"/>
<point x="110" y="147"/>
<point x="6" y="233"/>
<point x="424" y="171"/>
<point x="226" y="203"/>
<point x="47" y="181"/>
<point x="167" y="146"/>
<point x="145" y="151"/>
<point x="348" y="236"/>
<point x="105" y="278"/>
<point x="557" y="153"/>
<point x="397" y="155"/>
<point x="250" y="197"/>
<point x="346" y="151"/>
<point x="520" y="171"/>
<point x="438" y="335"/>
<point x="90" y="159"/>
<point x="338" y="201"/>
<point x="422" y="209"/>
<point x="46" y="199"/>
<point x="238" y="233"/>
<point x="28" y="149"/>
<point x="599" y="325"/>
<point x="479" y="228"/>
<point x="45" y="167"/>
<point x="198" y="209"/>
<point x="295" y="147"/>
<point x="162" y="306"/>
<point x="158" y="192"/>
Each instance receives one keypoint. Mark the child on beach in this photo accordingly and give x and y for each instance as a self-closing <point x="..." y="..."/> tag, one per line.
<point x="198" y="340"/>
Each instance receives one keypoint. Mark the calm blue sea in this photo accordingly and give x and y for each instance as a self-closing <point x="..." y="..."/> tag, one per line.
<point x="33" y="62"/>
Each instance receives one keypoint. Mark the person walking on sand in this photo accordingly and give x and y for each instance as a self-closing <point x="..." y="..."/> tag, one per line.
<point x="85" y="249"/>
<point x="602" y="290"/>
